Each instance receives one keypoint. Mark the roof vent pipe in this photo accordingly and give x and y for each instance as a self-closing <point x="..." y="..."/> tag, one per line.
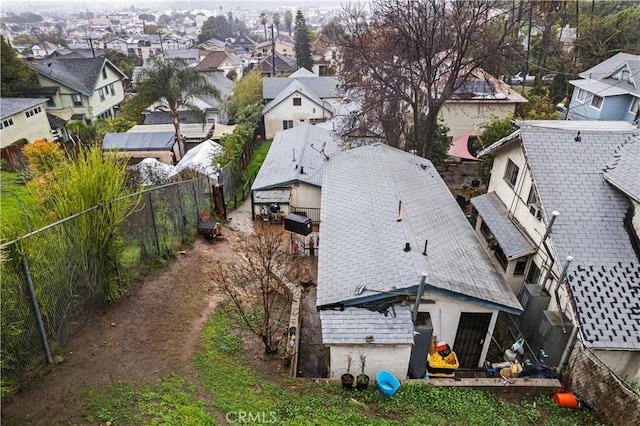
<point x="399" y="211"/>
<point x="554" y="215"/>
<point x="425" y="247"/>
<point x="407" y="247"/>
<point x="294" y="155"/>
<point x="423" y="281"/>
<point x="301" y="170"/>
<point x="563" y="275"/>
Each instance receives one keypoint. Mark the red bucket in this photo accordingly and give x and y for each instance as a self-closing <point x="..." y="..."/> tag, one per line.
<point x="565" y="399"/>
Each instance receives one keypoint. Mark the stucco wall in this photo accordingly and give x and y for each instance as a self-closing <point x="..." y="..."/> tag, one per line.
<point x="30" y="128"/>
<point x="298" y="114"/>
<point x="445" y="317"/>
<point x="394" y="359"/>
<point x="461" y="117"/>
<point x="306" y="196"/>
<point x="625" y="364"/>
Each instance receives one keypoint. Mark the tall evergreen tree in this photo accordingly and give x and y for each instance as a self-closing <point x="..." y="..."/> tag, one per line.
<point x="16" y="75"/>
<point x="302" y="45"/>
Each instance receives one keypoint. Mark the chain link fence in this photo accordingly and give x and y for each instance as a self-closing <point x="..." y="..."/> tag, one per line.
<point x="599" y="387"/>
<point x="54" y="279"/>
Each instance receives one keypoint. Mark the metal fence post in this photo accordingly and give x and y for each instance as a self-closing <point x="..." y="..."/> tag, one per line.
<point x="36" y="309"/>
<point x="183" y="219"/>
<point x="153" y="220"/>
<point x="195" y="197"/>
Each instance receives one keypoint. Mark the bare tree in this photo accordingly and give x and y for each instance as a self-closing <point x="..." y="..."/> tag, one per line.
<point x="420" y="52"/>
<point x="256" y="286"/>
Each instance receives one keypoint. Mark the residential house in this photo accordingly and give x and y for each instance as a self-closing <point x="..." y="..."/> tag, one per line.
<point x="22" y="120"/>
<point x="300" y="98"/>
<point x="480" y="97"/>
<point x="561" y="221"/>
<point x="145" y="45"/>
<point x="190" y="56"/>
<point x="608" y="91"/>
<point x="221" y="62"/>
<point x="291" y="175"/>
<point x="80" y="88"/>
<point x="116" y="43"/>
<point x="44" y="49"/>
<point x="213" y="44"/>
<point x="388" y="223"/>
<point x="325" y="56"/>
<point x="283" y="47"/>
<point x="244" y="43"/>
<point x="211" y="106"/>
<point x="283" y="64"/>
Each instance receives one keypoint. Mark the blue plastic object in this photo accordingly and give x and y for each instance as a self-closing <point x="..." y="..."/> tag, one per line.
<point x="387" y="383"/>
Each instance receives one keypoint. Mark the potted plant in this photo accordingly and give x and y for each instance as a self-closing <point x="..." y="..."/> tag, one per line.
<point x="347" y="379"/>
<point x="362" y="381"/>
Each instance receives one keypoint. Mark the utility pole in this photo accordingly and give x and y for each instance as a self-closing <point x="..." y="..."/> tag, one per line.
<point x="93" y="52"/>
<point x="273" y="52"/>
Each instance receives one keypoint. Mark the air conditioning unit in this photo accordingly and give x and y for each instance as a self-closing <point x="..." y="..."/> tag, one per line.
<point x="297" y="224"/>
<point x="534" y="301"/>
<point x="550" y="338"/>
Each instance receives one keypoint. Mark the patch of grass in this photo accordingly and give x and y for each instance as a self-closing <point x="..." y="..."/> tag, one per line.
<point x="236" y="388"/>
<point x="15" y="198"/>
<point x="170" y="401"/>
<point x="259" y="154"/>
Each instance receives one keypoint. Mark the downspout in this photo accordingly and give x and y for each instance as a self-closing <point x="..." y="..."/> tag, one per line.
<point x="563" y="275"/>
<point x="423" y="280"/>
<point x="543" y="242"/>
<point x="569" y="347"/>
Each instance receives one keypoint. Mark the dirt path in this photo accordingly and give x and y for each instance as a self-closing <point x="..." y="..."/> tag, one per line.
<point x="143" y="337"/>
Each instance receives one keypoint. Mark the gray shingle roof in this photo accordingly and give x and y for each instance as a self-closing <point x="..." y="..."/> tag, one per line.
<point x="280" y="169"/>
<point x="11" y="106"/>
<point x="80" y="74"/>
<point x="624" y="172"/>
<point x="363" y="242"/>
<point x="297" y="87"/>
<point x="606" y="67"/>
<point x="569" y="178"/>
<point x="353" y="325"/>
<point x="156" y="141"/>
<point x="325" y="87"/>
<point x="608" y="304"/>
<point x="513" y="240"/>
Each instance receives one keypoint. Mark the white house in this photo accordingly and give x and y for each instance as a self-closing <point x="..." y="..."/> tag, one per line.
<point x="80" y="88"/>
<point x="300" y="98"/>
<point x="291" y="175"/>
<point x="386" y="219"/>
<point x="561" y="222"/>
<point x="21" y="120"/>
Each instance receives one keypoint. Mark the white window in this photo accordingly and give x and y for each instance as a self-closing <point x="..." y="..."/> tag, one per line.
<point x="287" y="124"/>
<point x="581" y="95"/>
<point x="596" y="101"/>
<point x="511" y="174"/>
<point x="635" y="105"/>
<point x="77" y="100"/>
<point x="297" y="101"/>
<point x="6" y="123"/>
<point x="32" y="112"/>
<point x="101" y="93"/>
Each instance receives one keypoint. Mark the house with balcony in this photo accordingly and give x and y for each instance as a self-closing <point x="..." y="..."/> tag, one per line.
<point x="291" y="175"/>
<point x="391" y="233"/>
<point x="608" y="91"/>
<point x="561" y="221"/>
<point x="22" y="120"/>
<point x="298" y="99"/>
<point x="80" y="88"/>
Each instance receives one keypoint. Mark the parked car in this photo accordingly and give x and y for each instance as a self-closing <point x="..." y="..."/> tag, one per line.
<point x="529" y="79"/>
<point x="523" y="79"/>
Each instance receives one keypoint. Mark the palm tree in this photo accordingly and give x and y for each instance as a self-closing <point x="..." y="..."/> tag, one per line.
<point x="173" y="84"/>
<point x="288" y="20"/>
<point x="263" y="21"/>
<point x="276" y="22"/>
